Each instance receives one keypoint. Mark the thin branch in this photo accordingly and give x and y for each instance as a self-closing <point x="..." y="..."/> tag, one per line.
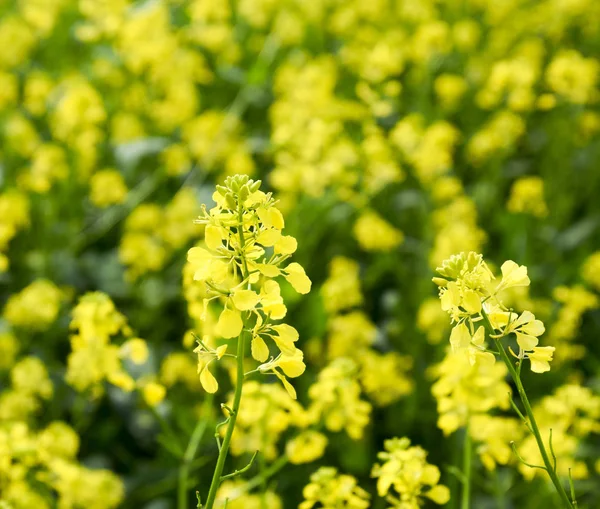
<point x="514" y="448"/>
<point x="238" y="472"/>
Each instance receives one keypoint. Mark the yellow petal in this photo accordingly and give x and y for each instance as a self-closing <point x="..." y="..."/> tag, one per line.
<point x="153" y="393"/>
<point x="526" y="342"/>
<point x="276" y="218"/>
<point x="260" y="350"/>
<point x="221" y="351"/>
<point x="286" y="336"/>
<point x="200" y="259"/>
<point x="230" y="324"/>
<point x="292" y="366"/>
<point x="245" y="300"/>
<point x="440" y="494"/>
<point x="198" y="255"/>
<point x="219" y="271"/>
<point x="208" y="381"/>
<point x="486" y="359"/>
<point x="298" y="278"/>
<point x="460" y="338"/>
<point x="288" y="386"/>
<point x="479" y="336"/>
<point x="471" y="302"/>
<point x="286" y="245"/>
<point x="430" y="474"/>
<point x="513" y="274"/>
<point x="271" y="217"/>
<point x="539" y="366"/>
<point x="286" y="332"/>
<point x="268" y="237"/>
<point x="277" y="311"/>
<point x="268" y="270"/>
<point x="212" y="237"/>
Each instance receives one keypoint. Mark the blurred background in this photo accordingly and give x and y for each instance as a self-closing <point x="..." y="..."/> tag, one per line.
<point x="394" y="133"/>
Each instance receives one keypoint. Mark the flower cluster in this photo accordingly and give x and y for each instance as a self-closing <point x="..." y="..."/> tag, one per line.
<point x="35" y="307"/>
<point x="329" y="490"/>
<point x="405" y="478"/>
<point x="265" y="414"/>
<point x="471" y="296"/>
<point x="352" y="335"/>
<point x="94" y="359"/>
<point x="463" y="391"/>
<point x="245" y="253"/>
<point x="38" y="460"/>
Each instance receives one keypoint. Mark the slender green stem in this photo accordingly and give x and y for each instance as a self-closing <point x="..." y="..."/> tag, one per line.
<point x="237" y="398"/>
<point x="466" y="485"/>
<point x="262" y="466"/>
<point x="499" y="491"/>
<point x="190" y="453"/>
<point x="529" y="412"/>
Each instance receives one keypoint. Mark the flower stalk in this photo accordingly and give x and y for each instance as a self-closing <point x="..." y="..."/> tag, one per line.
<point x="533" y="427"/>
<point x="472" y="297"/>
<point x="244" y="253"/>
<point x="466" y="484"/>
<point x="237" y="399"/>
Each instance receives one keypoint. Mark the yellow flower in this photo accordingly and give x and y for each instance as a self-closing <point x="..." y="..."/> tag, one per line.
<point x="526" y="329"/>
<point x="513" y="275"/>
<point x="527" y="197"/>
<point x="540" y="358"/>
<point x="107" y="187"/>
<point x="230" y="324"/>
<point x="331" y="490"/>
<point x="136" y="349"/>
<point x="375" y="234"/>
<point x="405" y="469"/>
<point x="285" y="365"/>
<point x="341" y="290"/>
<point x="295" y="275"/>
<point x="308" y="446"/>
<point x="205" y="357"/>
<point x="154" y="393"/>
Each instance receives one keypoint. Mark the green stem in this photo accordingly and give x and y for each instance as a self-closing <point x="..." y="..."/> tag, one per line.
<point x="237" y="398"/>
<point x="190" y="453"/>
<point x="529" y="412"/>
<point x="499" y="491"/>
<point x="467" y="454"/>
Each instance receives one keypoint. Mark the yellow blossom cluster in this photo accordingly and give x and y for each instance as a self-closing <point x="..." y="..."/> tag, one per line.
<point x="405" y="478"/>
<point x="94" y="359"/>
<point x="527" y="196"/>
<point x="391" y="135"/>
<point x="42" y="459"/>
<point x="265" y="414"/>
<point x="591" y="270"/>
<point x="328" y="489"/>
<point x="575" y="301"/>
<point x="472" y="298"/>
<point x="154" y="233"/>
<point x="35" y="307"/>
<point x="464" y="391"/>
<point x="37" y="462"/>
<point x="351" y="335"/>
<point x="245" y="252"/>
<point x="336" y="399"/>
